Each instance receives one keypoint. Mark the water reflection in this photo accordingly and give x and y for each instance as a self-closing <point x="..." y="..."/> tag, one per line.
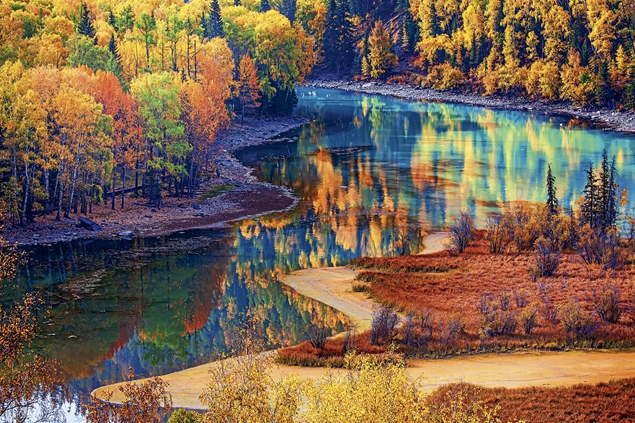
<point x="157" y="312"/>
<point x="424" y="162"/>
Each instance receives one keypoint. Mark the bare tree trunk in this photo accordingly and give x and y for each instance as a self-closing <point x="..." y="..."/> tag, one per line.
<point x="123" y="184"/>
<point x="114" y="189"/>
<point x="27" y="186"/>
<point x="73" y="182"/>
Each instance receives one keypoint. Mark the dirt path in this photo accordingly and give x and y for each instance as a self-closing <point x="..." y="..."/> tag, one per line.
<point x="520" y="369"/>
<point x="513" y="370"/>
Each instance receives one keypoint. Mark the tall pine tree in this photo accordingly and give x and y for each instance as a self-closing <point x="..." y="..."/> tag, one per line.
<point x="215" y="22"/>
<point x="552" y="200"/>
<point x="338" y="38"/>
<point x="85" y="23"/>
<point x="590" y="210"/>
<point x="607" y="193"/>
<point x="288" y="9"/>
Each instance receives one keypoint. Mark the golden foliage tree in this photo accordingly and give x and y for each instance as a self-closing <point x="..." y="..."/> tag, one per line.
<point x="380" y="56"/>
<point x="248" y="86"/>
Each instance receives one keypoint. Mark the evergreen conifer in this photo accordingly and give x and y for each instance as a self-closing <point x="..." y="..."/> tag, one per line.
<point x="552" y="200"/>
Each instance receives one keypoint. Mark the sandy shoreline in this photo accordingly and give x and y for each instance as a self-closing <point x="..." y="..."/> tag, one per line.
<point x="602" y="117"/>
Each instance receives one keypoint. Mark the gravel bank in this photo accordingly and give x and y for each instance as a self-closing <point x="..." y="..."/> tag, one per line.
<point x="247" y="198"/>
<point x="602" y="117"/>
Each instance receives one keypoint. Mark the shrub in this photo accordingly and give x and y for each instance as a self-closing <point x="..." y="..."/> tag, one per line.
<point x="549" y="312"/>
<point x="500" y="233"/>
<point x="426" y="323"/>
<point x="383" y="326"/>
<point x="462" y="232"/>
<point x="372" y="391"/>
<point x="147" y="401"/>
<point x="589" y="246"/>
<point x="445" y="77"/>
<point x="601" y="248"/>
<point x="496" y="317"/>
<point x="417" y="329"/>
<point x="577" y="322"/>
<point x="528" y="222"/>
<point x="527" y="318"/>
<point x="606" y="303"/>
<point x="504" y="299"/>
<point x="409" y="331"/>
<point x="360" y="287"/>
<point x="449" y="331"/>
<point x="613" y="255"/>
<point x="349" y="343"/>
<point x="317" y="336"/>
<point x="185" y="416"/>
<point x="520" y="297"/>
<point x="547" y="257"/>
<point x="242" y="390"/>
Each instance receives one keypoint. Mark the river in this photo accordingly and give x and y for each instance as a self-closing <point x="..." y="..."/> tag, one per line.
<point x="366" y="168"/>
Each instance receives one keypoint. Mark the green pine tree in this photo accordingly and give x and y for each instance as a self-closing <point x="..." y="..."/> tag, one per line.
<point x="338" y="37"/>
<point x="590" y="212"/>
<point x="85" y="24"/>
<point x="215" y="21"/>
<point x="604" y="90"/>
<point x="607" y="193"/>
<point x="552" y="200"/>
<point x="288" y="9"/>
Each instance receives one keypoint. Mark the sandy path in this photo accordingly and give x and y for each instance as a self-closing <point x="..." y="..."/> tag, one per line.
<point x="332" y="287"/>
<point x="513" y="370"/>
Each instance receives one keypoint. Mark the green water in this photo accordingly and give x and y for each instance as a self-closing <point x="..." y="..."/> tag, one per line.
<point x="366" y="167"/>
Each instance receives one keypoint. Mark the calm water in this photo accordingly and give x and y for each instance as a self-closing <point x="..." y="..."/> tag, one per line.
<point x="364" y="168"/>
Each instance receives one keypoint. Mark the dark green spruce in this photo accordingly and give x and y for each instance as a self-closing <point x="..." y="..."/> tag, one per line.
<point x="552" y="200"/>
<point x="85" y="22"/>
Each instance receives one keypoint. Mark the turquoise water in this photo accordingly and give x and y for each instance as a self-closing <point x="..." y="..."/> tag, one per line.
<point x="429" y="161"/>
<point x="365" y="168"/>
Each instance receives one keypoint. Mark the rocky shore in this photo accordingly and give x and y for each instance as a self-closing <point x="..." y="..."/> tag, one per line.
<point x="602" y="117"/>
<point x="244" y="197"/>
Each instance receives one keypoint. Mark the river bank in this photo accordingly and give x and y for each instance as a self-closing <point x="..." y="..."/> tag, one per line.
<point x="241" y="196"/>
<point x="602" y="117"/>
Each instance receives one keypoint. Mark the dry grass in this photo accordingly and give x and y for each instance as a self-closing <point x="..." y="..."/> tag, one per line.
<point x="332" y="355"/>
<point x="601" y="403"/>
<point x="455" y="293"/>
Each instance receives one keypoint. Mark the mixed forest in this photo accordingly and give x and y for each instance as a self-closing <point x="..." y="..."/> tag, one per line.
<point x="97" y="97"/>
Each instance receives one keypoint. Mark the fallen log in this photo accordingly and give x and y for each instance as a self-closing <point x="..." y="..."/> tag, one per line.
<point x="89" y="224"/>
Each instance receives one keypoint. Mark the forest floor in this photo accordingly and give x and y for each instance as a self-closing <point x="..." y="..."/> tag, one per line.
<point x="231" y="195"/>
<point x="609" y="119"/>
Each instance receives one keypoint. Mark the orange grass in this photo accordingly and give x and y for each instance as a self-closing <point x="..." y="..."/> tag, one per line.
<point x="456" y="293"/>
<point x="602" y="403"/>
<point x="332" y="355"/>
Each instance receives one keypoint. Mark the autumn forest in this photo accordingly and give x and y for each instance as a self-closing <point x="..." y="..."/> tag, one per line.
<point x="104" y="96"/>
